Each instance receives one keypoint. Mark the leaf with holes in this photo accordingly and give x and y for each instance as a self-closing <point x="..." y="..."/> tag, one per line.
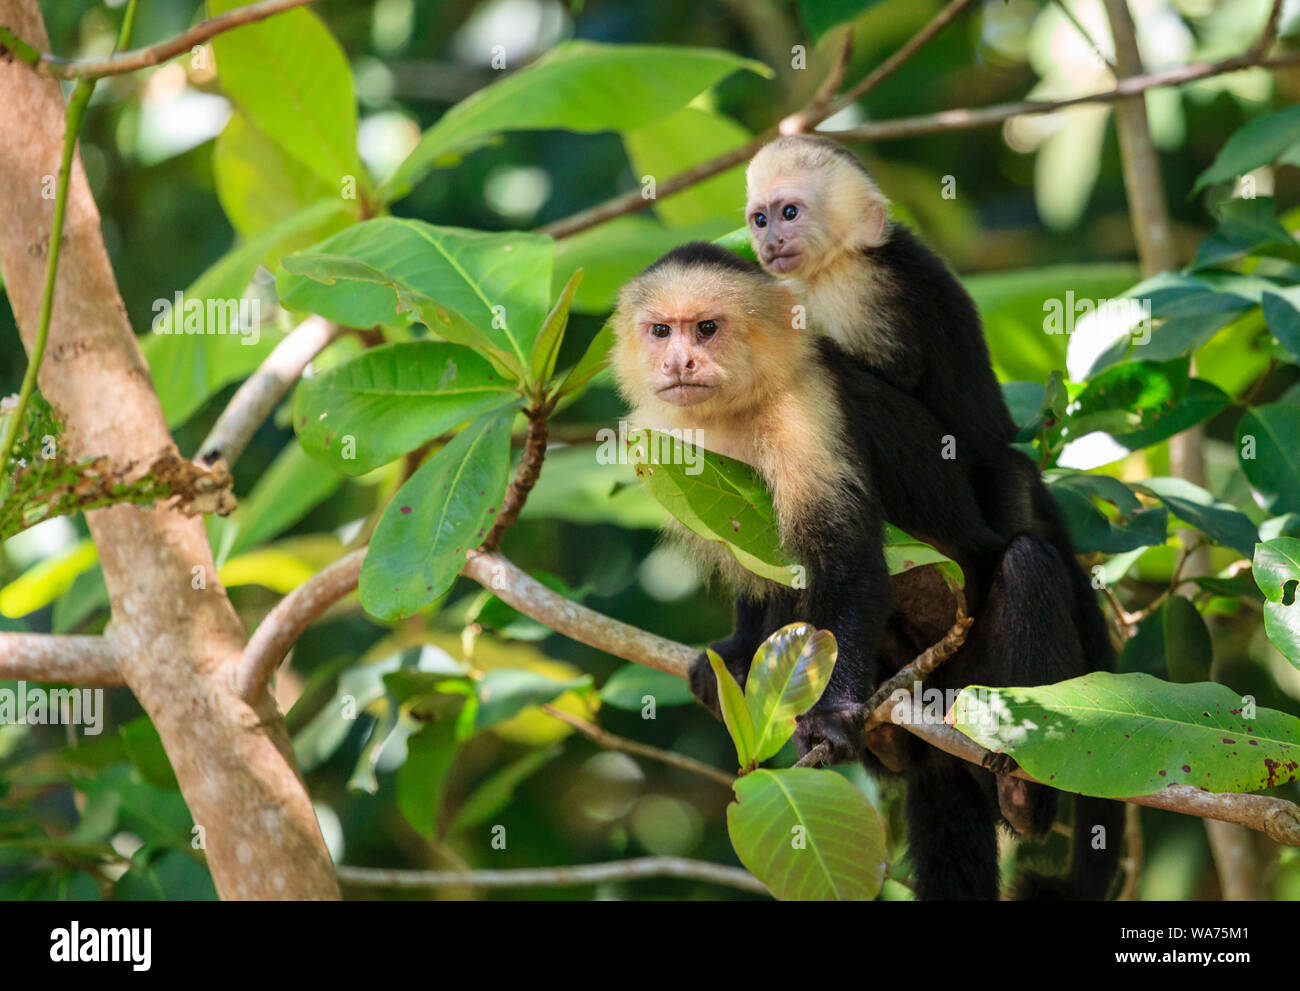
<point x="1277" y="570"/>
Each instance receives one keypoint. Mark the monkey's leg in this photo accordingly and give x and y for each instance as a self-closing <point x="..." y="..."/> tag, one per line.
<point x="737" y="652"/>
<point x="952" y="838"/>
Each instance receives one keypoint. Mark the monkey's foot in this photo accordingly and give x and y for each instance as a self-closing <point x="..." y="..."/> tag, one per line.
<point x="704" y="683"/>
<point x="1001" y="763"/>
<point x="1022" y="806"/>
<point x="839" y="729"/>
<point x="891" y="746"/>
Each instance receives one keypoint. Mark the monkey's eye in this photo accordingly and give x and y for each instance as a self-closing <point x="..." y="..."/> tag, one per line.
<point x="760" y="220"/>
<point x="707" y="328"/>
<point x="660" y="329"/>
<point x="790" y="212"/>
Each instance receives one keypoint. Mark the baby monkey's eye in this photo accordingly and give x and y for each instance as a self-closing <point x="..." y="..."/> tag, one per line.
<point x="760" y="220"/>
<point x="707" y="328"/>
<point x="660" y="329"/>
<point x="790" y="212"/>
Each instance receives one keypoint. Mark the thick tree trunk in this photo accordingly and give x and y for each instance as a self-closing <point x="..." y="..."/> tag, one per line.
<point x="177" y="643"/>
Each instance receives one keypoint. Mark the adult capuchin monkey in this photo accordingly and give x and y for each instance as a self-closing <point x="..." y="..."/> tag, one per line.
<point x="704" y="342"/>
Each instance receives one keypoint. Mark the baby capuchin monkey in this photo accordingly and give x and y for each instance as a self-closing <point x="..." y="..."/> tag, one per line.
<point x="705" y="342"/>
<point x="818" y="222"/>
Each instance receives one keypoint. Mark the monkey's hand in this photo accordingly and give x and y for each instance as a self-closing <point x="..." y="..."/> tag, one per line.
<point x="839" y="728"/>
<point x="704" y="683"/>
<point x="891" y="745"/>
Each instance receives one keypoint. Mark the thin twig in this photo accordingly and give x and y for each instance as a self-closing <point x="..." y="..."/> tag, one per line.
<point x="878" y="707"/>
<point x="1269" y="34"/>
<point x="815" y="756"/>
<point x="895" y="61"/>
<point x="812" y="114"/>
<point x="1086" y="35"/>
<point x="530" y="467"/>
<point x="620" y="870"/>
<point x="262" y="391"/>
<point x="606" y="739"/>
<point x="59" y="659"/>
<point x="141" y="58"/>
<point x="970" y="118"/>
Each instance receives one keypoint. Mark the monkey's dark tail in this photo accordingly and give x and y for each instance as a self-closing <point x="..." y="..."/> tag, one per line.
<point x="1095" y="854"/>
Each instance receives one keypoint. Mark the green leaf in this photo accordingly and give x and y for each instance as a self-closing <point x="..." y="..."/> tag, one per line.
<point x="1118" y="735"/>
<point x="442" y="511"/>
<point x="628" y="687"/>
<point x="1258" y="143"/>
<point x="189" y="367"/>
<point x="144" y="748"/>
<point x="1268" y="449"/>
<point x="391" y="399"/>
<point x="1282" y="312"/>
<point x="292" y="79"/>
<point x="808" y="835"/>
<point x="735" y="711"/>
<point x="486" y="291"/>
<point x="1189" y="651"/>
<point x="423" y="775"/>
<point x="591" y="364"/>
<point x="904" y="552"/>
<point x="789" y="673"/>
<point x="679" y="141"/>
<point x="1277" y="569"/>
<point x="1092" y="531"/>
<point x="1246" y="226"/>
<point x="1137" y="387"/>
<point x="1192" y="504"/>
<point x="738" y="242"/>
<point x="259" y="183"/>
<point x="506" y="692"/>
<point x="1203" y="401"/>
<point x="577" y="86"/>
<point x="547" y="346"/>
<point x="496" y="792"/>
<point x="819" y="16"/>
<point x="718" y="498"/>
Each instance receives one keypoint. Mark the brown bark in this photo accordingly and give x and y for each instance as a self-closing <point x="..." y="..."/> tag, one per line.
<point x="233" y="760"/>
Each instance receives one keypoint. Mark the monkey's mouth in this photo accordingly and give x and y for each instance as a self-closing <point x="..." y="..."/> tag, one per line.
<point x="784" y="262"/>
<point x="684" y="393"/>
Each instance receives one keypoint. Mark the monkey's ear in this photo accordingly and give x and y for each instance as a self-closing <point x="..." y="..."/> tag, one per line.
<point x="873" y="222"/>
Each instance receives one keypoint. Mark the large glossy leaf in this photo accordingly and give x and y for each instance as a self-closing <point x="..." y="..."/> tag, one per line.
<point x="718" y="498"/>
<point x="391" y="399"/>
<point x="1116" y="735"/>
<point x="1246" y="226"/>
<point x="1268" y="449"/>
<point x="1192" y="504"/>
<point x="788" y="675"/>
<point x="442" y="511"/>
<point x="292" y="79"/>
<point x="808" y="835"/>
<point x="1258" y="143"/>
<point x="472" y="288"/>
<point x="189" y="367"/>
<point x="1277" y="571"/>
<point x="683" y="139"/>
<point x="576" y="86"/>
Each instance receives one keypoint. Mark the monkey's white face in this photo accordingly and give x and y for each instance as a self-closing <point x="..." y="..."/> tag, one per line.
<point x="682" y="349"/>
<point x="784" y="227"/>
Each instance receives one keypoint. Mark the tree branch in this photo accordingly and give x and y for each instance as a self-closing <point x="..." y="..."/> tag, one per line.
<point x="878" y="707"/>
<point x="605" y="738"/>
<point x="262" y="391"/>
<point x="1269" y="34"/>
<point x="621" y="870"/>
<point x="975" y="117"/>
<point x="530" y="467"/>
<point x="141" y="58"/>
<point x="49" y="658"/>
